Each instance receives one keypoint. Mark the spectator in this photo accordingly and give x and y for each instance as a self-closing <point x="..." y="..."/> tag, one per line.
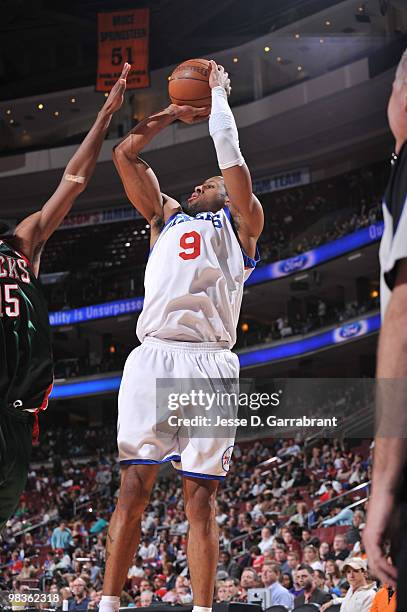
<point x="136" y="570"/>
<point x="232" y="588"/>
<point x="270" y="576"/>
<point x="361" y="594"/>
<point x="248" y="580"/>
<point x="287" y="581"/>
<point x="147" y="550"/>
<point x="310" y="591"/>
<point x="61" y="537"/>
<point x="227" y="564"/>
<point x="353" y="535"/>
<point x="267" y="540"/>
<point x="28" y="570"/>
<point x="291" y="543"/>
<point x="292" y="561"/>
<point x="296" y="588"/>
<point x="342" y="516"/>
<point x="311" y="557"/>
<point x="79" y="600"/>
<point x="146" y="599"/>
<point x="340" y="550"/>
<point x="385" y="600"/>
<point x="280" y="553"/>
<point x="324" y="551"/>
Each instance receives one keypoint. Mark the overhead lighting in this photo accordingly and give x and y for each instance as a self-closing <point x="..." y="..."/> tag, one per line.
<point x="11" y="121"/>
<point x="299" y="68"/>
<point x="321" y="40"/>
<point x="279" y="59"/>
<point x="106" y="94"/>
<point x="328" y="23"/>
<point x="73" y="100"/>
<point x="374" y="293"/>
<point x="56" y="113"/>
<point x="244" y="327"/>
<point x="296" y="35"/>
<point x="267" y="49"/>
<point x="143" y="231"/>
<point x="40" y="106"/>
<point x="147" y="226"/>
<point x="235" y="60"/>
<point x="8" y="111"/>
<point x="135" y="232"/>
<point x="127" y="244"/>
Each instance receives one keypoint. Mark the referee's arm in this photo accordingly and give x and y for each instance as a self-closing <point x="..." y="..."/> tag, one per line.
<point x="390" y="453"/>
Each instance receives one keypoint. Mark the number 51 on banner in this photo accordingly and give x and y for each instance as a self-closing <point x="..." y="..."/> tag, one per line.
<point x="123" y="36"/>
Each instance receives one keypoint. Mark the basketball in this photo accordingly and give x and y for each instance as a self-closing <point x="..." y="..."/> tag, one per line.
<point x="189" y="83"/>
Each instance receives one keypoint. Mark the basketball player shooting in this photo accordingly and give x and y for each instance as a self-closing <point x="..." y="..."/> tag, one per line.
<point x="26" y="375"/>
<point x="201" y="254"/>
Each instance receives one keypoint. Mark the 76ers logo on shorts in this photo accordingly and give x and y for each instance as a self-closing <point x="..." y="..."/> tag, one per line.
<point x="226" y="458"/>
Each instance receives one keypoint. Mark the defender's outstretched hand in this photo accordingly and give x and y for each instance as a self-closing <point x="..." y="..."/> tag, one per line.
<point x="219" y="78"/>
<point x="115" y="98"/>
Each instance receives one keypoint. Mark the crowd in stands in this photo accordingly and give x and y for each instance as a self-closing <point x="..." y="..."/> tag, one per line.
<point x="284" y="527"/>
<point x="296" y="220"/>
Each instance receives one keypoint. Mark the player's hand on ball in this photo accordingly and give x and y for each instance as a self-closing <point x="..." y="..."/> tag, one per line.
<point x="219" y="78"/>
<point x="115" y="98"/>
<point x="190" y="114"/>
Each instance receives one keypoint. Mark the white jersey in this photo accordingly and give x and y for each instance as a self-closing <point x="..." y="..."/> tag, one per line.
<point x="194" y="280"/>
<point x="393" y="246"/>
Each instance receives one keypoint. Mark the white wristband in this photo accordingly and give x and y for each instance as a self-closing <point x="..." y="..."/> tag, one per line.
<point x="223" y="130"/>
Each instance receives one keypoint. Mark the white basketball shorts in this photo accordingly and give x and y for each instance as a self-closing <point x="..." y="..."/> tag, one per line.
<point x="153" y="427"/>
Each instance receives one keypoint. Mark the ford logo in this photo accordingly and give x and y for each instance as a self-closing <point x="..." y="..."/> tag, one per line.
<point x="293" y="264"/>
<point x="350" y="330"/>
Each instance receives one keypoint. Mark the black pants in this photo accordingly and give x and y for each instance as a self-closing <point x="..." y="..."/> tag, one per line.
<point x="15" y="452"/>
<point x="402" y="562"/>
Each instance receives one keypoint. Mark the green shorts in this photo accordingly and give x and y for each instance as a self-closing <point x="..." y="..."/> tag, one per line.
<point x="15" y="451"/>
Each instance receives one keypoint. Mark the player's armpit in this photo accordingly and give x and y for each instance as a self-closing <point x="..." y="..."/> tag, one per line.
<point x="245" y="208"/>
<point x="170" y="206"/>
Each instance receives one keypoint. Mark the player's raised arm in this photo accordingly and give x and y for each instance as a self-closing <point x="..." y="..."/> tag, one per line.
<point x="139" y="181"/>
<point x="32" y="233"/>
<point x="245" y="207"/>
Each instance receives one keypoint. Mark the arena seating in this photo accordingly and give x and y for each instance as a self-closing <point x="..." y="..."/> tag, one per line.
<point x="279" y="485"/>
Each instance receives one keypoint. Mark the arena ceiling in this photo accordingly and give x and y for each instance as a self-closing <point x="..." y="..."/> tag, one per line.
<point x="49" y="46"/>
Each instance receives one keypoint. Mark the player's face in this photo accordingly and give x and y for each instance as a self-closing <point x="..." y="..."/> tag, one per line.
<point x="208" y="197"/>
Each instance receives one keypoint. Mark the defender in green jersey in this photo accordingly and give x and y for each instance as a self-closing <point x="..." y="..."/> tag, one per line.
<point x="26" y="371"/>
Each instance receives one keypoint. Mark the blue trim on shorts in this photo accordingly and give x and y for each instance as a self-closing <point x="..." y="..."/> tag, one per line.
<point x="197" y="475"/>
<point x="175" y="458"/>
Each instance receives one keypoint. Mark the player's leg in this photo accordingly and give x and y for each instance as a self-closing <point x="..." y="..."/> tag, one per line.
<point x="203" y="537"/>
<point x="123" y="535"/>
<point x="15" y="452"/>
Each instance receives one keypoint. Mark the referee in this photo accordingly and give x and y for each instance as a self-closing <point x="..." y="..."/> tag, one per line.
<point x="388" y="502"/>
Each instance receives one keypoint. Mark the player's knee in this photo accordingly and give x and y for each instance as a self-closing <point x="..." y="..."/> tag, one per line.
<point x="134" y="496"/>
<point x="200" y="507"/>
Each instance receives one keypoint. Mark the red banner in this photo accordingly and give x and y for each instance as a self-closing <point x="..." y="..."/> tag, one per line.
<point x="123" y="36"/>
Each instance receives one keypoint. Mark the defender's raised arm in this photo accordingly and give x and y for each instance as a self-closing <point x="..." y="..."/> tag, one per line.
<point x="32" y="233"/>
